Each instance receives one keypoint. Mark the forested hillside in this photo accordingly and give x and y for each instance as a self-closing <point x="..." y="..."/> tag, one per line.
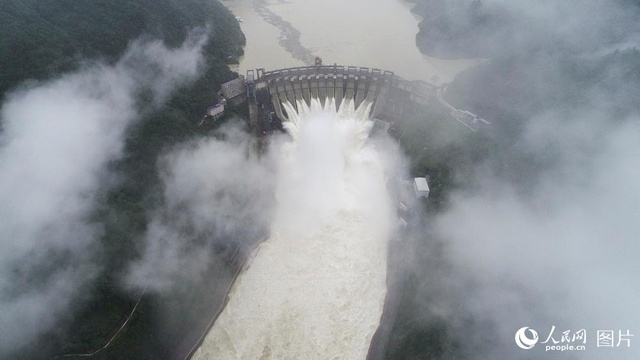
<point x="487" y="29"/>
<point x="559" y="82"/>
<point x="41" y="38"/>
<point x="45" y="39"/>
<point x="535" y="64"/>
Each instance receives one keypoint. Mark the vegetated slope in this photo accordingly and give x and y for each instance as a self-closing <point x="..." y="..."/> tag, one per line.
<point x="486" y="29"/>
<point x="536" y="74"/>
<point x="45" y="38"/>
<point x="545" y="68"/>
<point x="41" y="38"/>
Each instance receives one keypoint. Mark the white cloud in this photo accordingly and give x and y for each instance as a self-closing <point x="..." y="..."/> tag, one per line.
<point x="215" y="193"/>
<point x="56" y="141"/>
<point x="562" y="253"/>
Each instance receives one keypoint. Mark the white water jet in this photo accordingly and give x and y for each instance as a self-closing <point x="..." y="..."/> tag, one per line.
<point x="316" y="287"/>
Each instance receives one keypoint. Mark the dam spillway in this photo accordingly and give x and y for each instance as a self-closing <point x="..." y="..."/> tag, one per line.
<point x="298" y="85"/>
<point x="393" y="98"/>
<point x="316" y="288"/>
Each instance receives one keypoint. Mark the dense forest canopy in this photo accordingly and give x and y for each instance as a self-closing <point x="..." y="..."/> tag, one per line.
<point x="41" y="38"/>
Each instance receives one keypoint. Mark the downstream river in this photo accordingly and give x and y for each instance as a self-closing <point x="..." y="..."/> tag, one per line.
<point x="379" y="34"/>
<point x="316" y="288"/>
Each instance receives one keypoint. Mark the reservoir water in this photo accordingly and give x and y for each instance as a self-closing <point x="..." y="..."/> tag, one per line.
<point x="379" y="34"/>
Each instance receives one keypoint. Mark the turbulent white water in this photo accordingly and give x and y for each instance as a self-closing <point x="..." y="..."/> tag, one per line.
<point x="316" y="288"/>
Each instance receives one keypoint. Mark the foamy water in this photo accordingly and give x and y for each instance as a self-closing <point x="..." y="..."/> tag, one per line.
<point x="316" y="288"/>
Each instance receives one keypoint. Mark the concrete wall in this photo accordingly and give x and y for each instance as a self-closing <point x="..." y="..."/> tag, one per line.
<point x="393" y="97"/>
<point x="233" y="88"/>
<point x="326" y="82"/>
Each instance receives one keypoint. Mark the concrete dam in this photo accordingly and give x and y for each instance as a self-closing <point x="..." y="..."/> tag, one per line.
<point x="393" y="97"/>
<point x="320" y="286"/>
